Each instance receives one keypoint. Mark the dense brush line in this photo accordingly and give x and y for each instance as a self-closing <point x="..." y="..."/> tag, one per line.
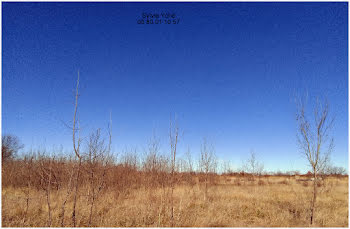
<point x="153" y="172"/>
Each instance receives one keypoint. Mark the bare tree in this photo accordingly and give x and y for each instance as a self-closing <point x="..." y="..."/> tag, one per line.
<point x="189" y="160"/>
<point x="330" y="169"/>
<point x="253" y="166"/>
<point x="76" y="146"/>
<point x="226" y="167"/>
<point x="189" y="168"/>
<point x="152" y="164"/>
<point x="335" y="170"/>
<point x="207" y="163"/>
<point x="174" y="138"/>
<point x="226" y="170"/>
<point x="314" y="141"/>
<point x="10" y="145"/>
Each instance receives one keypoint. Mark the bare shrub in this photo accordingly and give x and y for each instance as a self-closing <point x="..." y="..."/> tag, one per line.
<point x="10" y="145"/>
<point x="27" y="174"/>
<point x="96" y="160"/>
<point x="154" y="165"/>
<point x="45" y="174"/>
<point x="69" y="170"/>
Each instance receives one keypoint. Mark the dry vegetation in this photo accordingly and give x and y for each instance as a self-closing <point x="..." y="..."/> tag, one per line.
<point x="91" y="188"/>
<point x="132" y="194"/>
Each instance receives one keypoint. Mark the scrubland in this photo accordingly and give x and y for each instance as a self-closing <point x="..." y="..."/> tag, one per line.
<point x="129" y="197"/>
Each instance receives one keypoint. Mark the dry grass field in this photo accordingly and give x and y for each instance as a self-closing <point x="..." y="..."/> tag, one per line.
<point x="231" y="202"/>
<point x="190" y="88"/>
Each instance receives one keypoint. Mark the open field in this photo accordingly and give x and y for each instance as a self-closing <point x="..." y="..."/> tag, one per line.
<point x="231" y="202"/>
<point x="175" y="114"/>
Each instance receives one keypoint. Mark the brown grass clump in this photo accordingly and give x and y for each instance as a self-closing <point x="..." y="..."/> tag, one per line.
<point x="284" y="182"/>
<point x="237" y="182"/>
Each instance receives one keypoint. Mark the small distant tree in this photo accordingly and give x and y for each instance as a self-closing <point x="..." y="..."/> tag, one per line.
<point x="10" y="145"/>
<point x="315" y="141"/>
<point x="253" y="166"/>
<point x="189" y="168"/>
<point x="152" y="164"/>
<point x="335" y="170"/>
<point x="189" y="160"/>
<point x="207" y="163"/>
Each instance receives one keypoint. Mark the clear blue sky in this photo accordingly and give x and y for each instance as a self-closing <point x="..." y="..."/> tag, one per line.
<point x="230" y="72"/>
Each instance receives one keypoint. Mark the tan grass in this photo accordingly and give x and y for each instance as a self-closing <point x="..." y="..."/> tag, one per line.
<point x="273" y="204"/>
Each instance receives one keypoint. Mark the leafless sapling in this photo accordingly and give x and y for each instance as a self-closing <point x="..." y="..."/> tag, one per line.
<point x="76" y="147"/>
<point x="207" y="163"/>
<point x="315" y="141"/>
<point x="174" y="139"/>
